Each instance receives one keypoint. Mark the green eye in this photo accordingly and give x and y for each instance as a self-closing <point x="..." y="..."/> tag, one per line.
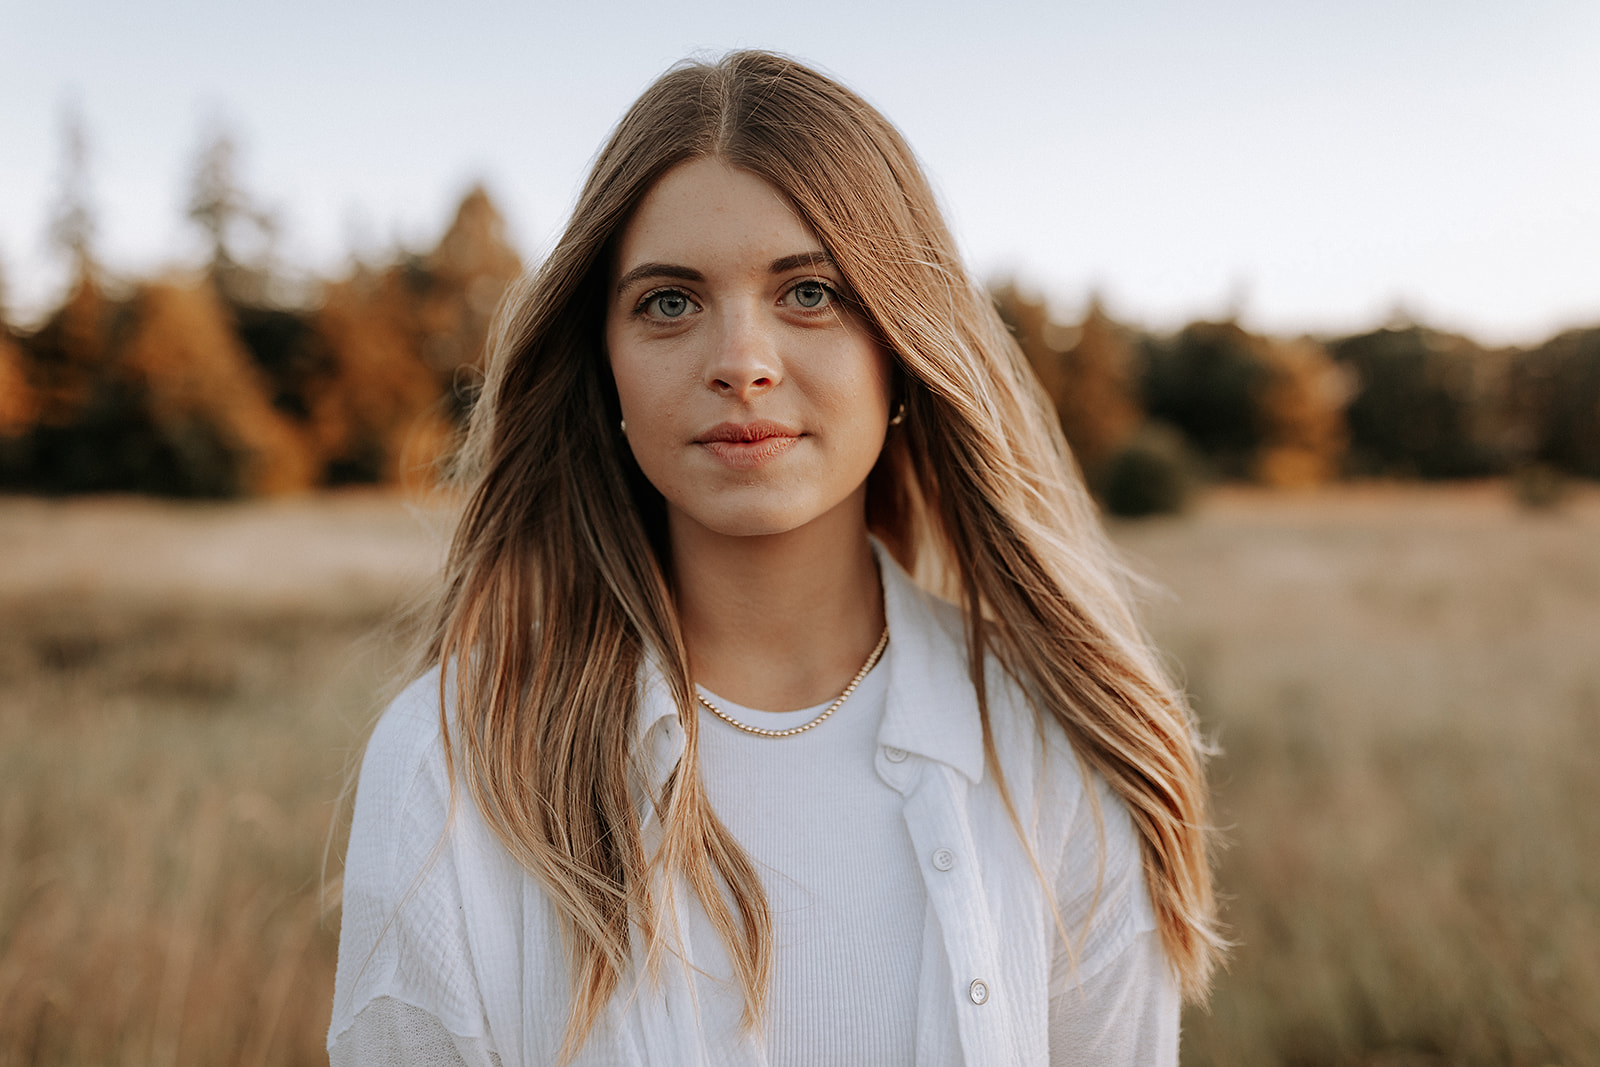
<point x="810" y="294"/>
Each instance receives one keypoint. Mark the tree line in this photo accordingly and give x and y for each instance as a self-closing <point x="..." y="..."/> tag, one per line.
<point x="214" y="385"/>
<point x="1146" y="414"/>
<point x="193" y="387"/>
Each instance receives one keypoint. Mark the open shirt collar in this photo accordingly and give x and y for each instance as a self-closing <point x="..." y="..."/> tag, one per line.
<point x="932" y="709"/>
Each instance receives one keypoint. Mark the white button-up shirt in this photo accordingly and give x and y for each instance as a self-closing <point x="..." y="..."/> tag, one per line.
<point x="459" y="942"/>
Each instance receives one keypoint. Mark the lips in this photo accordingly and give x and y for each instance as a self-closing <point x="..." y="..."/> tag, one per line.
<point x="748" y="445"/>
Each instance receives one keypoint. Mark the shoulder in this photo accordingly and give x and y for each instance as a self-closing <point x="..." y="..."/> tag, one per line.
<point x="404" y="790"/>
<point x="414" y="861"/>
<point x="409" y="728"/>
<point x="1083" y="831"/>
<point x="1100" y="884"/>
<point x="1076" y="826"/>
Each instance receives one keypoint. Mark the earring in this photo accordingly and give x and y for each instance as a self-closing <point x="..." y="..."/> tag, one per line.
<point x="899" y="415"/>
<point x="624" y="424"/>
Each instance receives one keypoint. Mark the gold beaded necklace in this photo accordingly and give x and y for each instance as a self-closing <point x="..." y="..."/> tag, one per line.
<point x="872" y="661"/>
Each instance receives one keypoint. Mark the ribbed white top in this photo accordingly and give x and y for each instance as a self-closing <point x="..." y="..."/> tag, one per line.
<point x="840" y="872"/>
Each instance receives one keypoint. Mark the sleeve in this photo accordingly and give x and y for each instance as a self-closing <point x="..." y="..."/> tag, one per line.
<point x="405" y="957"/>
<point x="392" y="1033"/>
<point x="1126" y="1013"/>
<point x="1113" y="999"/>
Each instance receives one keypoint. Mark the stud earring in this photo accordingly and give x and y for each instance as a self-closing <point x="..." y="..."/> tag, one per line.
<point x="624" y="424"/>
<point x="899" y="415"/>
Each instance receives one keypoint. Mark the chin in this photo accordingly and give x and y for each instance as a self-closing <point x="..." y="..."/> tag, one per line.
<point x="757" y="518"/>
<point x="752" y="525"/>
<point x="771" y="510"/>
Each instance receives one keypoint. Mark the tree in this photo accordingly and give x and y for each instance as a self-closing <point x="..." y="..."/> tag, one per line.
<point x="72" y="223"/>
<point x="1087" y="371"/>
<point x="229" y="216"/>
<point x="1098" y="401"/>
<point x="1428" y="405"/>
<point x="1205" y="381"/>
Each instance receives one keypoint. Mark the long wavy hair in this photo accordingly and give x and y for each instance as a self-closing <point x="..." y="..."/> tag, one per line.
<point x="556" y="590"/>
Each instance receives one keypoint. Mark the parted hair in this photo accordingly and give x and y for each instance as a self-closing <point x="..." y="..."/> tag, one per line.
<point x="557" y="587"/>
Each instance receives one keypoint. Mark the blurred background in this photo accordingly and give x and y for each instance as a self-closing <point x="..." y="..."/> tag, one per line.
<point x="1314" y="291"/>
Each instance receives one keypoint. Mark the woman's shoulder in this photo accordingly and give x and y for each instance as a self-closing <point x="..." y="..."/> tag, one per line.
<point x="410" y="726"/>
<point x="1100" y="881"/>
<point x="1085" y="829"/>
<point x="415" y="869"/>
<point x="403" y="771"/>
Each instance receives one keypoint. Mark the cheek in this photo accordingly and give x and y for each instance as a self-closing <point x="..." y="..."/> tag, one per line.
<point x="648" y="406"/>
<point x="875" y="377"/>
<point x="859" y="397"/>
<point x="885" y="370"/>
<point x="632" y="377"/>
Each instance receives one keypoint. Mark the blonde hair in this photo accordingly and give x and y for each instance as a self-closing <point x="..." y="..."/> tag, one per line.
<point x="555" y="589"/>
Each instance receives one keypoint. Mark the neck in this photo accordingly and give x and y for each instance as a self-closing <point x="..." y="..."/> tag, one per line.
<point x="782" y="621"/>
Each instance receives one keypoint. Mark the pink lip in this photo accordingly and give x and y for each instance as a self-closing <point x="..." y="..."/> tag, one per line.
<point x="747" y="445"/>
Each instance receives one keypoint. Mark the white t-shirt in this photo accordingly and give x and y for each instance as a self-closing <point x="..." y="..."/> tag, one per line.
<point x="839" y="872"/>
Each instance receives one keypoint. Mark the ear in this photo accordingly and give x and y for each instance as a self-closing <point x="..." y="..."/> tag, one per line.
<point x="899" y="389"/>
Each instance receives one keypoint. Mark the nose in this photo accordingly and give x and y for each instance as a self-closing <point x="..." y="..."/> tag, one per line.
<point x="745" y="362"/>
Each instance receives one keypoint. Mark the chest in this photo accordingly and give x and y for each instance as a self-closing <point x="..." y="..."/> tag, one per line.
<point x="978" y="988"/>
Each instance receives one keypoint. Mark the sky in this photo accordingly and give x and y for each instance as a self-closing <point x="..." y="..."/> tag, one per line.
<point x="1307" y="167"/>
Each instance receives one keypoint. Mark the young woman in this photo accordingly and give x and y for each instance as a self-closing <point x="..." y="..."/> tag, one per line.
<point x="784" y="704"/>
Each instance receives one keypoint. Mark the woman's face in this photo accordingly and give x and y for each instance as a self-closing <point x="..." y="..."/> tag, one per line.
<point x="755" y="398"/>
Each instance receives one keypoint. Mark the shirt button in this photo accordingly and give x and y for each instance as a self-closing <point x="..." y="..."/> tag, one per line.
<point x="943" y="859"/>
<point x="895" y="755"/>
<point x="978" y="991"/>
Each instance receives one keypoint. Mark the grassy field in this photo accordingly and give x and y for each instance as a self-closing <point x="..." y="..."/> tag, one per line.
<point x="1406" y="686"/>
<point x="180" y="691"/>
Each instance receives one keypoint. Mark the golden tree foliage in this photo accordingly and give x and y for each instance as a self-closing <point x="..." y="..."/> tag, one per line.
<point x="1089" y="374"/>
<point x="1029" y="321"/>
<point x="377" y="406"/>
<point x="1300" y="404"/>
<point x="1098" y="406"/>
<point x="184" y="353"/>
<point x="19" y="402"/>
<point x="1301" y="407"/>
<point x="470" y="269"/>
<point x="72" y="353"/>
<point x="397" y="342"/>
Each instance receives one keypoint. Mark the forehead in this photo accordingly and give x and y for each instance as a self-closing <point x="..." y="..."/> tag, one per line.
<point x="705" y="210"/>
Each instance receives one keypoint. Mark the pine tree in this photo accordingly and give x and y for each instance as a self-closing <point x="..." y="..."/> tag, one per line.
<point x="227" y="214"/>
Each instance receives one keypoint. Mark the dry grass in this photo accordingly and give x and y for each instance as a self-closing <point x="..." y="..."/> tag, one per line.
<point x="179" y="691"/>
<point x="1406" y="686"/>
<point x="1407" y="690"/>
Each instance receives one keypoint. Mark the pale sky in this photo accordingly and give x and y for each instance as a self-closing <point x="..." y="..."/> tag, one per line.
<point x="1313" y="166"/>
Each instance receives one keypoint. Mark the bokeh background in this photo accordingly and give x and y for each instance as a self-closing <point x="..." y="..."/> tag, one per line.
<point x="1314" y="291"/>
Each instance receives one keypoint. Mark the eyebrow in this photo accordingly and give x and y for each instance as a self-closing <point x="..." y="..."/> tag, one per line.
<point x="689" y="274"/>
<point x="801" y="259"/>
<point x="658" y="270"/>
